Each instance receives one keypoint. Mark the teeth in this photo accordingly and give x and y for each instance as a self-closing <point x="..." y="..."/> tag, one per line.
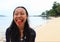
<point x="20" y="20"/>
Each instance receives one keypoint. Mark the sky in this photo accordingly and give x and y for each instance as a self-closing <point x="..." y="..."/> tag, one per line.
<point x="34" y="7"/>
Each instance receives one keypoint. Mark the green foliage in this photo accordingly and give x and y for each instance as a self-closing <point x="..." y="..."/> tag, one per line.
<point x="58" y="10"/>
<point x="43" y="13"/>
<point x="52" y="12"/>
<point x="55" y="11"/>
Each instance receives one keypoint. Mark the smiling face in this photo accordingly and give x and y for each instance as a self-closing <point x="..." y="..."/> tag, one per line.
<point x="20" y="16"/>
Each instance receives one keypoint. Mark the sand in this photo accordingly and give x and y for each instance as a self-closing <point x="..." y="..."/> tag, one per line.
<point x="49" y="32"/>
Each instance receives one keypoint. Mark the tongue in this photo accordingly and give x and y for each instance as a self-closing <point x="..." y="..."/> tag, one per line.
<point x="19" y="22"/>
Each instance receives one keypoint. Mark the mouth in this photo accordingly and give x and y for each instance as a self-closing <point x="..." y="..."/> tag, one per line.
<point x="19" y="21"/>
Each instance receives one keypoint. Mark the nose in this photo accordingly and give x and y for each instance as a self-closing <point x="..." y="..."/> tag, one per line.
<point x="19" y="15"/>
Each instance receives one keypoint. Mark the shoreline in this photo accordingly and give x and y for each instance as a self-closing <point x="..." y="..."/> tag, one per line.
<point x="49" y="32"/>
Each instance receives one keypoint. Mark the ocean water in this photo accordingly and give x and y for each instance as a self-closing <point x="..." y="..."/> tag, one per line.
<point x="36" y="21"/>
<point x="33" y="22"/>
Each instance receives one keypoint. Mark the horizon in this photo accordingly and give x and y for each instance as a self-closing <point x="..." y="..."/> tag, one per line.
<point x="34" y="7"/>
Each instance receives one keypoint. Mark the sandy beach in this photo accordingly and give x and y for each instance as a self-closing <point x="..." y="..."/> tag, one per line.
<point x="49" y="32"/>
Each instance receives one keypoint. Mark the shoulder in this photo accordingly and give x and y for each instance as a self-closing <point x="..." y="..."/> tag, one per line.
<point x="32" y="32"/>
<point x="7" y="30"/>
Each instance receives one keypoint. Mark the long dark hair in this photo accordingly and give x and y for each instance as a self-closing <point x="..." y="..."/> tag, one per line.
<point x="14" y="28"/>
<point x="26" y="23"/>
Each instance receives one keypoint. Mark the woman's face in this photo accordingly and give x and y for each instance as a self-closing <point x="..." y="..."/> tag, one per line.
<point x="20" y="16"/>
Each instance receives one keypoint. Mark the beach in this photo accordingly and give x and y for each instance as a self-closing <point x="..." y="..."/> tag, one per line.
<point x="49" y="32"/>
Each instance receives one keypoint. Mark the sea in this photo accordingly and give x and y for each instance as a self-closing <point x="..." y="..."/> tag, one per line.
<point x="5" y="22"/>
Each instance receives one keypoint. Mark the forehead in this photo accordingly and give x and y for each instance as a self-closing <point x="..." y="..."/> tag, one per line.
<point x="19" y="10"/>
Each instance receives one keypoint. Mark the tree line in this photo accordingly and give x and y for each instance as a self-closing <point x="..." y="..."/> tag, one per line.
<point x="55" y="11"/>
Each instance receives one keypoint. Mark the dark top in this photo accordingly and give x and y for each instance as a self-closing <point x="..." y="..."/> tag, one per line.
<point x="14" y="36"/>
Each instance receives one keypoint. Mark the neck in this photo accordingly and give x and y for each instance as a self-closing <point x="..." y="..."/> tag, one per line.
<point x="21" y="27"/>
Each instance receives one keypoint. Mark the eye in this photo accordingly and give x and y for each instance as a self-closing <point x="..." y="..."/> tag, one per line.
<point x="16" y="13"/>
<point x="22" y="13"/>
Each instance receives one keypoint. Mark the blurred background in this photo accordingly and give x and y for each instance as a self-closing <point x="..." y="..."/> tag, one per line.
<point x="37" y="9"/>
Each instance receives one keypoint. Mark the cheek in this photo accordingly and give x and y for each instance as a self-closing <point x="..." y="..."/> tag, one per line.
<point x="25" y="17"/>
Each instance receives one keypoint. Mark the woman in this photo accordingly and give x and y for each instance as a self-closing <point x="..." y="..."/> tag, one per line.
<point x="19" y="31"/>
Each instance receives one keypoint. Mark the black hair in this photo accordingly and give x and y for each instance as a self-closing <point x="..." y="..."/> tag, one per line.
<point x="21" y="7"/>
<point x="26" y="23"/>
<point x="14" y="29"/>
